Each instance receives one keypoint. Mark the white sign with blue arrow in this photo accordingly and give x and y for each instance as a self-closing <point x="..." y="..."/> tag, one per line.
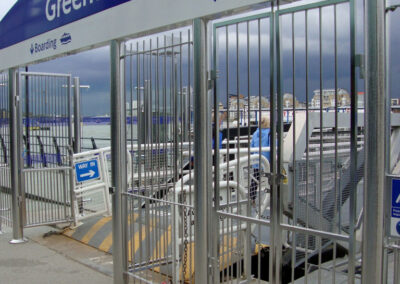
<point x="395" y="214"/>
<point x="87" y="170"/>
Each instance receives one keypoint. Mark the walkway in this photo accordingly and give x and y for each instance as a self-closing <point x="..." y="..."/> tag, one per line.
<point x="51" y="258"/>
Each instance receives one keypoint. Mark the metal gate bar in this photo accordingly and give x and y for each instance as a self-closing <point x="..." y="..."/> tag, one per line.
<point x="160" y="130"/>
<point x="317" y="193"/>
<point x="5" y="177"/>
<point x="46" y="126"/>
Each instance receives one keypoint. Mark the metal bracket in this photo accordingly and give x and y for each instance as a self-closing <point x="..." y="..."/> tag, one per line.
<point x="19" y="199"/>
<point x="211" y="81"/>
<point x="111" y="190"/>
<point x="360" y="62"/>
<point x="274" y="178"/>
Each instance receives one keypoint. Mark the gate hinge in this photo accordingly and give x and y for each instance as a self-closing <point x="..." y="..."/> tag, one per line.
<point x="359" y="62"/>
<point x="214" y="262"/>
<point x="19" y="199"/>
<point x="16" y="100"/>
<point x="212" y="78"/>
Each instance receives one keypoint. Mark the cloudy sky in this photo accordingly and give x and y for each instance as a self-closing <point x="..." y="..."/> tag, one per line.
<point x="93" y="66"/>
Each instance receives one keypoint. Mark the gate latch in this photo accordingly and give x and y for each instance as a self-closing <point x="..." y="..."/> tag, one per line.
<point x="276" y="178"/>
<point x="16" y="100"/>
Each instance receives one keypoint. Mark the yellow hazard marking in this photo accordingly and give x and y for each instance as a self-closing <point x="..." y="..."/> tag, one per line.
<point x="137" y="240"/>
<point x="189" y="271"/>
<point x="162" y="246"/>
<point x="259" y="247"/>
<point x="69" y="232"/>
<point x="227" y="251"/>
<point x="107" y="242"/>
<point x="94" y="229"/>
<point x="284" y="175"/>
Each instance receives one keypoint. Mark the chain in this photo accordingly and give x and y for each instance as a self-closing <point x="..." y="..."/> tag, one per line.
<point x="185" y="234"/>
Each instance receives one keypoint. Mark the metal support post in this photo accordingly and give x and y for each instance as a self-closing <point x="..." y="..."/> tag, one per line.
<point x="77" y="116"/>
<point x="276" y="157"/>
<point x="15" y="161"/>
<point x="27" y="123"/>
<point x="374" y="175"/>
<point x="118" y="163"/>
<point x="70" y="153"/>
<point x="201" y="143"/>
<point x="353" y="145"/>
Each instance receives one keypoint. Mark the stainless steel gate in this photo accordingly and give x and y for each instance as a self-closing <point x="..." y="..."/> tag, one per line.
<point x="301" y="213"/>
<point x="391" y="265"/>
<point x="45" y="128"/>
<point x="286" y="171"/>
<point x="5" y="178"/>
<point x="159" y="196"/>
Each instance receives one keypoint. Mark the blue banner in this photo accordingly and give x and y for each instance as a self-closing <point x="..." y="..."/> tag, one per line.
<point x="28" y="18"/>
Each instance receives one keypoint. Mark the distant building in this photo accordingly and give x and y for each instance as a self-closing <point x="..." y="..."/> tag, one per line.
<point x="234" y="100"/>
<point x="395" y="102"/>
<point x="288" y="101"/>
<point x="247" y="106"/>
<point x="256" y="102"/>
<point x="328" y="98"/>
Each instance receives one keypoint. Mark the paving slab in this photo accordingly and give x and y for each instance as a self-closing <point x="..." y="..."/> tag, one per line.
<point x="48" y="257"/>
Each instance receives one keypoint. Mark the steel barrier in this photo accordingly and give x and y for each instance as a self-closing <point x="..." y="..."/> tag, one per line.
<point x="233" y="171"/>
<point x="5" y="177"/>
<point x="46" y="150"/>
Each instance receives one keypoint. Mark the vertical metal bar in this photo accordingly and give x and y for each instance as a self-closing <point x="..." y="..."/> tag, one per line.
<point x="70" y="150"/>
<point x="247" y="233"/>
<point x="118" y="162"/>
<point x="201" y="148"/>
<point x="27" y="123"/>
<point x="15" y="149"/>
<point x="215" y="244"/>
<point x="272" y="260"/>
<point x="336" y="140"/>
<point x="294" y="171"/>
<point x="307" y="143"/>
<point x="276" y="153"/>
<point x="77" y="116"/>
<point x="353" y="146"/>
<point x="258" y="119"/>
<point x="374" y="175"/>
<point x="321" y="142"/>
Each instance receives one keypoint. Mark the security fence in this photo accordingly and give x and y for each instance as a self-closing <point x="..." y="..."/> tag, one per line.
<point x="5" y="178"/>
<point x="253" y="171"/>
<point x="284" y="199"/>
<point x="159" y="197"/>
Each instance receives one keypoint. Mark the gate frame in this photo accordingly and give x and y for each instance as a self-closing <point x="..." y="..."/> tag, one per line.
<point x="15" y="153"/>
<point x="276" y="109"/>
<point x="17" y="169"/>
<point x="373" y="53"/>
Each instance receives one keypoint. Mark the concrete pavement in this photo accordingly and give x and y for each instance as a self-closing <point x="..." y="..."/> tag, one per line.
<point x="50" y="258"/>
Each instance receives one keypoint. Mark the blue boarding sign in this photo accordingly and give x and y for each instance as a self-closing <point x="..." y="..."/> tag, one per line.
<point x="86" y="171"/>
<point x="395" y="210"/>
